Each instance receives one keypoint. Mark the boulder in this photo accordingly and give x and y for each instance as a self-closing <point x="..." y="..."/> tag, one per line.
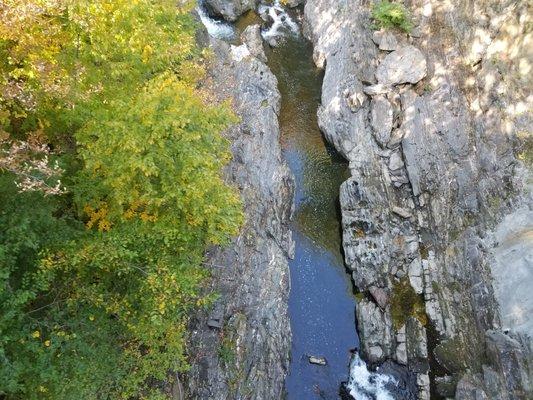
<point x="416" y="276"/>
<point x="406" y="65"/>
<point x="380" y="296"/>
<point x="253" y="40"/>
<point x="230" y="10"/>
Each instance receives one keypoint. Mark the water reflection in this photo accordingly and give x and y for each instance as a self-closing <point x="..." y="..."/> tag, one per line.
<point x="318" y="169"/>
<point x="321" y="303"/>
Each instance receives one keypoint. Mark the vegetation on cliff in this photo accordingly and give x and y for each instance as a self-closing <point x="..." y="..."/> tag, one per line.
<point x="110" y="191"/>
<point x="387" y="14"/>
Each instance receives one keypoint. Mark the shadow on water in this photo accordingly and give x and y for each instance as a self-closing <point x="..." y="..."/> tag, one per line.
<point x="321" y="303"/>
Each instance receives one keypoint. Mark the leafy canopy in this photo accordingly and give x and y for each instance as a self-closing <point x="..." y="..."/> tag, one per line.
<point x="388" y="14"/>
<point x="96" y="284"/>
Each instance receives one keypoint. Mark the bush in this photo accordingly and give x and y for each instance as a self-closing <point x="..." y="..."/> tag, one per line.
<point x="96" y="285"/>
<point x="391" y="15"/>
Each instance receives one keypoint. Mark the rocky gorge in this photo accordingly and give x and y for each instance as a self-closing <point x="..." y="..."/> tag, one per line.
<point x="436" y="214"/>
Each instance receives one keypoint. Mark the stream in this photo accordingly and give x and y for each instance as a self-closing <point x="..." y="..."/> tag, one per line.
<point x="321" y="302"/>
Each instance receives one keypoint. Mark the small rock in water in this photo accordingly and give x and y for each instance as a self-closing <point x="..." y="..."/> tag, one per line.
<point x="317" y="360"/>
<point x="272" y="42"/>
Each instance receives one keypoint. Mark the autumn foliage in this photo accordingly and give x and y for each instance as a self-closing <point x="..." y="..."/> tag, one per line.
<point x="110" y="191"/>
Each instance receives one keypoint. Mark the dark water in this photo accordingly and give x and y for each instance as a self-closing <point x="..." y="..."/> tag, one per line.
<point x="321" y="303"/>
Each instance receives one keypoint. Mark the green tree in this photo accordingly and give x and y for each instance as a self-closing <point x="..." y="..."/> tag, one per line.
<point x="99" y="276"/>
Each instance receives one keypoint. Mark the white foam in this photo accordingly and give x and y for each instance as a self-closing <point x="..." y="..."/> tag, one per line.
<point x="367" y="385"/>
<point x="217" y="29"/>
<point x="282" y="22"/>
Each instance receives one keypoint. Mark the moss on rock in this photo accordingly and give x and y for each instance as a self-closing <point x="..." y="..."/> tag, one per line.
<point x="405" y="303"/>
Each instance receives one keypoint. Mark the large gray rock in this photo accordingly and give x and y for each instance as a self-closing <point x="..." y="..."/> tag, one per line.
<point x="406" y="65"/>
<point x="513" y="269"/>
<point x="230" y="10"/>
<point x="458" y="138"/>
<point x="249" y="321"/>
<point x="254" y="42"/>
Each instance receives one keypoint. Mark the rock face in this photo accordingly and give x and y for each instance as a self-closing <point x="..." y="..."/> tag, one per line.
<point x="230" y="10"/>
<point x="241" y="346"/>
<point x="433" y="143"/>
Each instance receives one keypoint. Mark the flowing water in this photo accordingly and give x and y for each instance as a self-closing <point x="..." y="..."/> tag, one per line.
<point x="321" y="302"/>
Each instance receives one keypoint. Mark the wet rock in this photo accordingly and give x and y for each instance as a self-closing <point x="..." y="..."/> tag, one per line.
<point x="401" y="348"/>
<point x="317" y="360"/>
<point x="374" y="354"/>
<point x="230" y="10"/>
<point x="403" y="386"/>
<point x="272" y="42"/>
<point x="406" y="65"/>
<point x="416" y="339"/>
<point x="382" y="115"/>
<point x="422" y="381"/>
<point x="401" y="353"/>
<point x="468" y="388"/>
<point x="445" y="385"/>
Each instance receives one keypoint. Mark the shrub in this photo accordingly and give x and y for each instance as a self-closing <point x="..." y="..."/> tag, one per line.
<point x="96" y="285"/>
<point x="387" y="14"/>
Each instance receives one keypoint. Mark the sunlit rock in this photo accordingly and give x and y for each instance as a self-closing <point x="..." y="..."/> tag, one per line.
<point x="406" y="65"/>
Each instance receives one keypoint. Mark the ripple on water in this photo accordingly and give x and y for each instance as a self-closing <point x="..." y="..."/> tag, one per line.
<point x="321" y="302"/>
